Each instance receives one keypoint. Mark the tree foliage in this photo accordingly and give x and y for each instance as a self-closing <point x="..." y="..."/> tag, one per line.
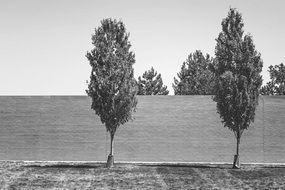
<point x="237" y="68"/>
<point x="151" y="84"/>
<point x="112" y="86"/>
<point x="277" y="84"/>
<point x="195" y="77"/>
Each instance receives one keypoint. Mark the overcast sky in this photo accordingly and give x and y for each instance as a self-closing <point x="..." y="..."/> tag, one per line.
<point x="43" y="42"/>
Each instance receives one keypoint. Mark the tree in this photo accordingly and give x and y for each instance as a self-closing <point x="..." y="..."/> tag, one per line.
<point x="268" y="89"/>
<point x="151" y="84"/>
<point x="195" y="77"/>
<point x="238" y="80"/>
<point x="277" y="84"/>
<point x="112" y="86"/>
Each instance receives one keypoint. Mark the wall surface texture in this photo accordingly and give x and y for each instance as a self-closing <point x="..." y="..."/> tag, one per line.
<point x="165" y="129"/>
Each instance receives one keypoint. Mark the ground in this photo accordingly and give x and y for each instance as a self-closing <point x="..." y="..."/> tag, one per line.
<point x="71" y="175"/>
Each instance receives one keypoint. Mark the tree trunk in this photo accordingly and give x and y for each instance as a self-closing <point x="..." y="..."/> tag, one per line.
<point x="236" y="163"/>
<point x="110" y="161"/>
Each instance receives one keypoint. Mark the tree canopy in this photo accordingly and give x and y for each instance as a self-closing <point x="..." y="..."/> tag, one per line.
<point x="238" y="80"/>
<point x="112" y="86"/>
<point x="151" y="84"/>
<point x="195" y="77"/>
<point x="276" y="85"/>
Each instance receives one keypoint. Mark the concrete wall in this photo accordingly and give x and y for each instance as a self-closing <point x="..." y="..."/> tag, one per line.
<point x="166" y="128"/>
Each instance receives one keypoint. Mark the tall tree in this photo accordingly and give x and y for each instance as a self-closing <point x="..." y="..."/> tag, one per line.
<point x="112" y="86"/>
<point x="195" y="77"/>
<point x="151" y="84"/>
<point x="277" y="84"/>
<point x="237" y="68"/>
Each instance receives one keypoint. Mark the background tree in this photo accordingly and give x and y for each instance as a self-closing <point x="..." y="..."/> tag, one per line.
<point x="112" y="86"/>
<point x="195" y="77"/>
<point x="268" y="89"/>
<point x="277" y="84"/>
<point x="151" y="84"/>
<point x="237" y="68"/>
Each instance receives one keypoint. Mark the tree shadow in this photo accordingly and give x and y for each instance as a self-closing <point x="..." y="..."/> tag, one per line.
<point x="272" y="167"/>
<point x="66" y="166"/>
<point x="224" y="166"/>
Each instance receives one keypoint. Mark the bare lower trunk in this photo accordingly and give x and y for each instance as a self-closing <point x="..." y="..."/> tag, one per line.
<point x="110" y="161"/>
<point x="238" y="142"/>
<point x="112" y="145"/>
<point x="236" y="163"/>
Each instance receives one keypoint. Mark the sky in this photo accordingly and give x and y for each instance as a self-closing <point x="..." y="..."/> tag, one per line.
<point x="43" y="43"/>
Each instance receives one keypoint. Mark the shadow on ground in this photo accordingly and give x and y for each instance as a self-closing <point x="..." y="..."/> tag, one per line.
<point x="78" y="166"/>
<point x="189" y="166"/>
